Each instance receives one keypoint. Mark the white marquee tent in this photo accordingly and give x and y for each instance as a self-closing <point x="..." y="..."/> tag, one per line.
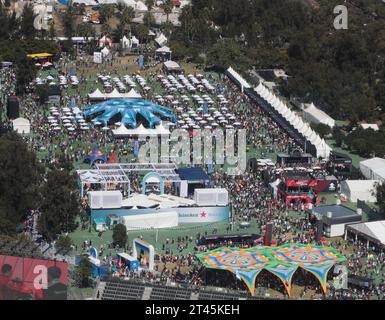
<point x="373" y="168"/>
<point x="315" y="115"/>
<point x="359" y="190"/>
<point x="373" y="231"/>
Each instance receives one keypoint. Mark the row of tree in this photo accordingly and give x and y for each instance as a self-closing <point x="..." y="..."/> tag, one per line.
<point x="25" y="185"/>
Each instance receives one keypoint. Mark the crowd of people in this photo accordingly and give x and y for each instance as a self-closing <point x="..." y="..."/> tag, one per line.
<point x="251" y="199"/>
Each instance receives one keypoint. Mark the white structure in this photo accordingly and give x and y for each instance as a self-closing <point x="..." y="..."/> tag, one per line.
<point x="140" y="131"/>
<point x="373" y="169"/>
<point x="211" y="197"/>
<point x="373" y="231"/>
<point x="322" y="148"/>
<point x="161" y="40"/>
<point x="156" y="220"/>
<point x="238" y="78"/>
<point x="369" y="126"/>
<point x="359" y="190"/>
<point x="315" y="115"/>
<point x="172" y="66"/>
<point x="21" y="125"/>
<point x="105" y="199"/>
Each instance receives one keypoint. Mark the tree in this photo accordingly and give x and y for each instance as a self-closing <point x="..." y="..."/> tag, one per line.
<point x="51" y="30"/>
<point x="106" y="28"/>
<point x="150" y="4"/>
<point x="60" y="205"/>
<point x="128" y="14"/>
<point x="148" y="19"/>
<point x="68" y="20"/>
<point x="224" y="53"/>
<point x="83" y="273"/>
<point x="106" y="11"/>
<point x="42" y="91"/>
<point x="27" y="27"/>
<point x="119" y="235"/>
<point x="141" y="32"/>
<point x="322" y="129"/>
<point x="85" y="30"/>
<point x="63" y="244"/>
<point x="380" y="194"/>
<point x="167" y="8"/>
<point x="20" y="176"/>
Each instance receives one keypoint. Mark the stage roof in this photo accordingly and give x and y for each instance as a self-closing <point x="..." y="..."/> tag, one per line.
<point x="281" y="261"/>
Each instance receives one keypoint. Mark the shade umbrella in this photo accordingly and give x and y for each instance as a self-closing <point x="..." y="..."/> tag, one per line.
<point x="55" y="113"/>
<point x="105" y="128"/>
<point x="203" y="122"/>
<point x="207" y="127"/>
<point x="81" y="120"/>
<point x="185" y="126"/>
<point x="71" y="129"/>
<point x="66" y="121"/>
<point x="97" y="123"/>
<point x="67" y="125"/>
<point x="214" y="124"/>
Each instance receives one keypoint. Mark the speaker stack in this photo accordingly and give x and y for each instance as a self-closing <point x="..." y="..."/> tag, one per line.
<point x="13" y="108"/>
<point x="319" y="230"/>
<point x="268" y="233"/>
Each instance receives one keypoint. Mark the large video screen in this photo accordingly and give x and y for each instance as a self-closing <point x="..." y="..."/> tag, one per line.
<point x="32" y="279"/>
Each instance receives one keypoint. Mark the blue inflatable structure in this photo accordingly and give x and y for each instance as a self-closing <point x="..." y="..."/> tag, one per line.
<point x="129" y="110"/>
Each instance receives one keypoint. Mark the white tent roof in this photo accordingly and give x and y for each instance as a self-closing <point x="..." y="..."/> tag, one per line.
<point x="238" y="77"/>
<point x="140" y="6"/>
<point x="163" y="49"/>
<point x="171" y="65"/>
<point x="134" y="40"/>
<point x="105" y="51"/>
<point x="115" y="94"/>
<point x="373" y="229"/>
<point x="373" y="126"/>
<point x="21" y="122"/>
<point x="161" y="130"/>
<point x="121" y="131"/>
<point x="313" y="114"/>
<point x="97" y="94"/>
<point x="161" y="40"/>
<point x="359" y="189"/>
<point x="132" y="94"/>
<point x="138" y="200"/>
<point x="373" y="168"/>
<point x="374" y="163"/>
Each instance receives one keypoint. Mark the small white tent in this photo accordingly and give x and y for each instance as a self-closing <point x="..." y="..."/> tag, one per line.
<point x="132" y="94"/>
<point x="161" y="40"/>
<point x="96" y="95"/>
<point x="21" y="126"/>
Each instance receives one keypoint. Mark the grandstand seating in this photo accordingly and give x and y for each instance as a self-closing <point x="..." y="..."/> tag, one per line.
<point x="131" y="290"/>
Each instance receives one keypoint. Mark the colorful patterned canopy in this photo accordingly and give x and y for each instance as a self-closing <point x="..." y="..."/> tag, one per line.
<point x="129" y="109"/>
<point x="281" y="261"/>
